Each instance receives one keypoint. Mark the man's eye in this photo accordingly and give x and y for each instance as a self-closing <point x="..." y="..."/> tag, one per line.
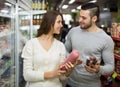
<point x="83" y="17"/>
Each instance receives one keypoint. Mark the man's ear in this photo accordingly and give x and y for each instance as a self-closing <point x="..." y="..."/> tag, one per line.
<point x="94" y="18"/>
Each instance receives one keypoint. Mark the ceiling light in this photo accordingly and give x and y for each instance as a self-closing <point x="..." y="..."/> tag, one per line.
<point x="64" y="6"/>
<point x="71" y="1"/>
<point x="19" y="9"/>
<point x="73" y="10"/>
<point x="79" y="7"/>
<point x="105" y="9"/>
<point x="93" y="1"/>
<point x="8" y="4"/>
<point x="102" y="25"/>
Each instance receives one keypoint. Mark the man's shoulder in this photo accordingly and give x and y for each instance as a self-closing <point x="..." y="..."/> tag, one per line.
<point x="75" y="29"/>
<point x="107" y="38"/>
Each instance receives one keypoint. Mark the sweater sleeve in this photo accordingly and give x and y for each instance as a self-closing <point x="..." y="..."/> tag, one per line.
<point x="108" y="58"/>
<point x="68" y="43"/>
<point x="28" y="66"/>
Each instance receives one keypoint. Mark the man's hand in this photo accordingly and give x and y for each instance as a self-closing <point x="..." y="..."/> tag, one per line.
<point x="94" y="69"/>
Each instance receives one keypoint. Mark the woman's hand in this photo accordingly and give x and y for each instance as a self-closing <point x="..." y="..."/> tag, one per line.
<point x="55" y="73"/>
<point x="78" y="61"/>
<point x="70" y="67"/>
<point x="58" y="72"/>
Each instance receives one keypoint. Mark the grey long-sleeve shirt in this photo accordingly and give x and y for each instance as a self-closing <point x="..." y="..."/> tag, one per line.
<point x="97" y="44"/>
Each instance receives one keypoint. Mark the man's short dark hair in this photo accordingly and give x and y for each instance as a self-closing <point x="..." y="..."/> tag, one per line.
<point x="92" y="7"/>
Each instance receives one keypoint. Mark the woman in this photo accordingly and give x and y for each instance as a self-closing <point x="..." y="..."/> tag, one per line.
<point x="43" y="55"/>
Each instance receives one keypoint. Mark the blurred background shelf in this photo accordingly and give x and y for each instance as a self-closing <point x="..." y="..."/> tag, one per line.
<point x="117" y="56"/>
<point x="116" y="38"/>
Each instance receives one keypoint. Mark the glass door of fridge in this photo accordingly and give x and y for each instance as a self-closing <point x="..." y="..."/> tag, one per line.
<point x="15" y="21"/>
<point x="23" y="33"/>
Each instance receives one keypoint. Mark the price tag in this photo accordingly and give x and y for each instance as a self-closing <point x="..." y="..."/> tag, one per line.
<point x="114" y="75"/>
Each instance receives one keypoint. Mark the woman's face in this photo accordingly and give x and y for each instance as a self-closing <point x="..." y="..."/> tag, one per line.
<point x="58" y="25"/>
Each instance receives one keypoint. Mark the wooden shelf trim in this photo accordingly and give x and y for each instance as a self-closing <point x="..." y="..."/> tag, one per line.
<point x="116" y="38"/>
<point x="118" y="77"/>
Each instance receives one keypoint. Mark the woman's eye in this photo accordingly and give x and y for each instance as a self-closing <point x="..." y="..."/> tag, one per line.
<point x="58" y="22"/>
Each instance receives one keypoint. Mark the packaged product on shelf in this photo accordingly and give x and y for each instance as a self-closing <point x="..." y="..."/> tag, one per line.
<point x="39" y="4"/>
<point x="118" y="29"/>
<point x="114" y="30"/>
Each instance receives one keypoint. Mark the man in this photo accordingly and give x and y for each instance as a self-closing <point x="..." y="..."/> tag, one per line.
<point x="93" y="44"/>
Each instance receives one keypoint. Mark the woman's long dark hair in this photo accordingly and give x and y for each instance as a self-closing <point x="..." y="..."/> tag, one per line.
<point x="48" y="22"/>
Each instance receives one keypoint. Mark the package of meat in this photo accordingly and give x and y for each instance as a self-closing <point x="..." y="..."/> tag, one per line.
<point x="72" y="57"/>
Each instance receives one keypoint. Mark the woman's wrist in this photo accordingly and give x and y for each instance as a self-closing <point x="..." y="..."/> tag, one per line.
<point x="48" y="75"/>
<point x="67" y="74"/>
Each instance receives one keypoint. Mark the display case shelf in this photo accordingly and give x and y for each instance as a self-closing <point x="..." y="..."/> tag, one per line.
<point x="28" y="3"/>
<point x="117" y="56"/>
<point x="6" y="15"/>
<point x="35" y="12"/>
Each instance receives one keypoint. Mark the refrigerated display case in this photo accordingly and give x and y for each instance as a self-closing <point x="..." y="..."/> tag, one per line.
<point x="16" y="27"/>
<point x="13" y="36"/>
<point x="36" y="20"/>
<point x="39" y="7"/>
<point x="7" y="58"/>
<point x="23" y="33"/>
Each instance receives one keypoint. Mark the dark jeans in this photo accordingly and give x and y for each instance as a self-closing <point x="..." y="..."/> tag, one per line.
<point x="67" y="85"/>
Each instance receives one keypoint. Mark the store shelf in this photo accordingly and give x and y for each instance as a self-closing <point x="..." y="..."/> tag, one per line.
<point x="34" y="12"/>
<point x="35" y="27"/>
<point x="6" y="15"/>
<point x="27" y="2"/>
<point x="116" y="38"/>
<point x="118" y="77"/>
<point x="11" y="1"/>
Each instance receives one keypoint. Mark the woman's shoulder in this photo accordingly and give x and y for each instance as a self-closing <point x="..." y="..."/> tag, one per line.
<point x="58" y="42"/>
<point x="59" y="45"/>
<point x="31" y="41"/>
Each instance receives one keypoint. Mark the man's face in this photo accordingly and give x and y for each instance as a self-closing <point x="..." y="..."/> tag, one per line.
<point x="85" y="19"/>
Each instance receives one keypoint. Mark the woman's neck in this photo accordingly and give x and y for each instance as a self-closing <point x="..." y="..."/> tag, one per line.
<point x="47" y="37"/>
